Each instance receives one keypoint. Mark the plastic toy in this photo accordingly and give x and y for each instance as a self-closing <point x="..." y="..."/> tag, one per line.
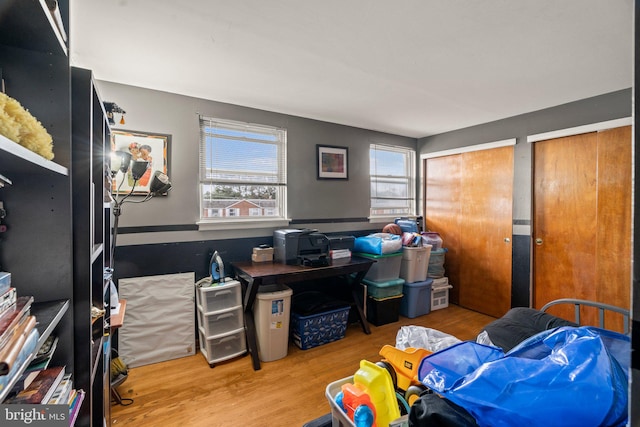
<point x="403" y="367"/>
<point x="371" y="400"/>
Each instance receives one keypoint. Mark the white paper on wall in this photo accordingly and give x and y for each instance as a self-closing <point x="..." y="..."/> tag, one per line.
<point x="159" y="322"/>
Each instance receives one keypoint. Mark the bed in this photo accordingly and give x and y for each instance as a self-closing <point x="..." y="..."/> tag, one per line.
<point x="532" y="377"/>
<point x="520" y="323"/>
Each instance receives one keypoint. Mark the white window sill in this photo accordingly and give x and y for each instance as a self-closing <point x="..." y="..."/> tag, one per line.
<point x="388" y="219"/>
<point x="241" y="224"/>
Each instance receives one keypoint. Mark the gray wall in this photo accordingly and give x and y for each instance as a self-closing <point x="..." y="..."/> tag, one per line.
<point x="346" y="203"/>
<point x="602" y="108"/>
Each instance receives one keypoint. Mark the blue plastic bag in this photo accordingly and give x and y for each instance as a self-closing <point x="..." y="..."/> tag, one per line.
<point x="378" y="244"/>
<point x="562" y="377"/>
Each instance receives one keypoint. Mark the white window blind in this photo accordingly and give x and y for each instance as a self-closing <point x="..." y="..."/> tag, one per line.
<point x="242" y="170"/>
<point x="392" y="175"/>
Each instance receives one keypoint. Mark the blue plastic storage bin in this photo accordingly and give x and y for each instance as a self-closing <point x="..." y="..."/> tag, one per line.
<point x="317" y="329"/>
<point x="416" y="299"/>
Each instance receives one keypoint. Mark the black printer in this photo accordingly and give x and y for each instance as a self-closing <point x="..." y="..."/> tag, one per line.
<point x="300" y="247"/>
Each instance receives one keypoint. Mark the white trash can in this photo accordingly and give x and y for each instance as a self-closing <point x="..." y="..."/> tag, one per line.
<point x="271" y="313"/>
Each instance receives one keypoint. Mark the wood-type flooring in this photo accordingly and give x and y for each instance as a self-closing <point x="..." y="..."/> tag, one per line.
<point x="288" y="392"/>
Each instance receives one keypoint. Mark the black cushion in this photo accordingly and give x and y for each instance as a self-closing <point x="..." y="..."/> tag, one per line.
<point x="519" y="324"/>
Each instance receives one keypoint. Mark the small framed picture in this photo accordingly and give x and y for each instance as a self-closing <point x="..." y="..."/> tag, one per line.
<point x="332" y="162"/>
<point x="152" y="148"/>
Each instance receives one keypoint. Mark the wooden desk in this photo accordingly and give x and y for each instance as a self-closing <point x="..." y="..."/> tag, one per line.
<point x="254" y="274"/>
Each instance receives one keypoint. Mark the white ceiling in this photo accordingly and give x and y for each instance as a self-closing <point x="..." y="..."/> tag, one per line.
<point x="407" y="67"/>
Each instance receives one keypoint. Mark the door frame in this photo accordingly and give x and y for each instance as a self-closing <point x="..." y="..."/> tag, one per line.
<point x="577" y="130"/>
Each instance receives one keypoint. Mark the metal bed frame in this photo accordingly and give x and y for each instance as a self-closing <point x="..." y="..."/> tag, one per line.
<point x="602" y="307"/>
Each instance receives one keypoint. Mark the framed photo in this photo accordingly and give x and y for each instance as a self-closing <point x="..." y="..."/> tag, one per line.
<point x="332" y="162"/>
<point x="143" y="146"/>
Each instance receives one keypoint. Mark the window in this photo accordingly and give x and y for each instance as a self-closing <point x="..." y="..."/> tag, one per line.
<point x="392" y="174"/>
<point x="242" y="172"/>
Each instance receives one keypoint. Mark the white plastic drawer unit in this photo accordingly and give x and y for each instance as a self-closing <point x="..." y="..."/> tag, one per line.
<point x="222" y="321"/>
<point x="219" y="297"/>
<point x="222" y="347"/>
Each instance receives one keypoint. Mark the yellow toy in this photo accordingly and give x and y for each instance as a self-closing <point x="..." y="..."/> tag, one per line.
<point x="371" y="400"/>
<point x="403" y="367"/>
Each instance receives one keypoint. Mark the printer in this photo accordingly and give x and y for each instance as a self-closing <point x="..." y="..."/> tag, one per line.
<point x="301" y="247"/>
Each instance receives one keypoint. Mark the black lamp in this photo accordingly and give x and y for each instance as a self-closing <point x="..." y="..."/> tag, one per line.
<point x="160" y="183"/>
<point x="138" y="168"/>
<point x="121" y="162"/>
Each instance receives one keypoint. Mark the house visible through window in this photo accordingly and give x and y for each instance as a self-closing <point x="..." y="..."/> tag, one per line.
<point x="392" y="175"/>
<point x="242" y="171"/>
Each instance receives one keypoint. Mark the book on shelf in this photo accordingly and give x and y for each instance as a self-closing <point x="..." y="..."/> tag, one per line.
<point x="74" y="408"/>
<point x="25" y="353"/>
<point x="63" y="391"/>
<point x="41" y="388"/>
<point x="5" y="277"/>
<point x="72" y="398"/>
<point x="10" y="351"/>
<point x="13" y="317"/>
<point x="23" y="382"/>
<point x="8" y="300"/>
<point x="46" y="351"/>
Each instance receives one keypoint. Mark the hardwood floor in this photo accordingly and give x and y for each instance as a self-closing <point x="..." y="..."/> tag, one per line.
<point x="186" y="392"/>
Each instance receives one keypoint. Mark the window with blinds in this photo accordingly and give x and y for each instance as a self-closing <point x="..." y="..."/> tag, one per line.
<point x="392" y="175"/>
<point x="242" y="171"/>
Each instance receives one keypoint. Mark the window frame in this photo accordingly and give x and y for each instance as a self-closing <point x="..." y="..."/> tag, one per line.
<point x="207" y="126"/>
<point x="409" y="176"/>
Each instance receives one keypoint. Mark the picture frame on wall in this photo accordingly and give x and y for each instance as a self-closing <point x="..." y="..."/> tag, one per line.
<point x="332" y="162"/>
<point x="143" y="146"/>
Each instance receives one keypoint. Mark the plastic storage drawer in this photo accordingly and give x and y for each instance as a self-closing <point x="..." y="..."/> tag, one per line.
<point x="219" y="297"/>
<point x="222" y="347"/>
<point x="386" y="267"/>
<point x="386" y="289"/>
<point x="440" y="293"/>
<point x="222" y="321"/>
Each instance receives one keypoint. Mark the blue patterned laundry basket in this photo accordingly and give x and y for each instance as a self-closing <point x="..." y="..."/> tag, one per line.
<point x="317" y="329"/>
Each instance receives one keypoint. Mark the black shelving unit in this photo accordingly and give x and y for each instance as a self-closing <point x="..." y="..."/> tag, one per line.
<point x="91" y="242"/>
<point x="58" y="226"/>
<point x="36" y="248"/>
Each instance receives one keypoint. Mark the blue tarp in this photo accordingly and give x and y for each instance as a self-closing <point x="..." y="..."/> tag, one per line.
<point x="569" y="376"/>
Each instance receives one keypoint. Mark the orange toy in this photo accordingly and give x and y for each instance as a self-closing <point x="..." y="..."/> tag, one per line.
<point x="403" y="366"/>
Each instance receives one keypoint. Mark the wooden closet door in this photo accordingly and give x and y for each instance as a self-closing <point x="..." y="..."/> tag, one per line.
<point x="442" y="191"/>
<point x="486" y="230"/>
<point x="582" y="220"/>
<point x="613" y="234"/>
<point x="468" y="200"/>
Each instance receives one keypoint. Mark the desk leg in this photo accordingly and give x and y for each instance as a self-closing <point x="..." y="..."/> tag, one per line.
<point x="355" y="285"/>
<point x="252" y="342"/>
<point x="251" y="290"/>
